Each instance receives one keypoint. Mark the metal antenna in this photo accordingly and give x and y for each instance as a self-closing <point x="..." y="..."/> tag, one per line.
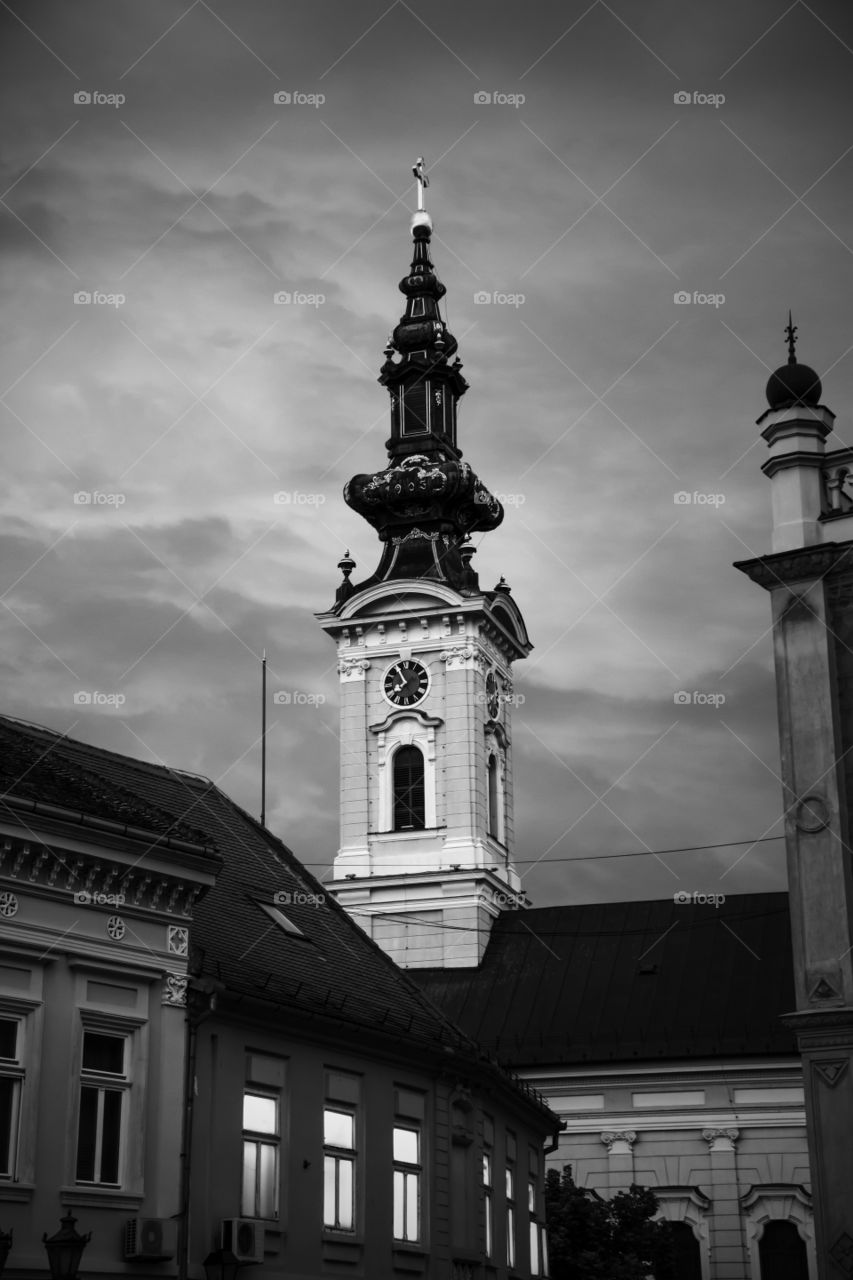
<point x="264" y="738"/>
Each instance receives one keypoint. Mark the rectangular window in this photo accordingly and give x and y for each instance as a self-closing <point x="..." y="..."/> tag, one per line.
<point x="11" y="1083"/>
<point x="104" y="1086"/>
<point x="408" y="1171"/>
<point x="261" y="1145"/>
<point x="487" y="1201"/>
<point x="339" y="1157"/>
<point x="535" y="1260"/>
<point x="415" y="406"/>
<point x="510" y="1217"/>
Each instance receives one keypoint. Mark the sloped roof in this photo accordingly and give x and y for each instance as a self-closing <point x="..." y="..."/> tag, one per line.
<point x="333" y="972"/>
<point x="628" y="982"/>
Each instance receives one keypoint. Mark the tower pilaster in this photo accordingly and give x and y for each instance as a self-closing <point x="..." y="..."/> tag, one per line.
<point x="810" y="580"/>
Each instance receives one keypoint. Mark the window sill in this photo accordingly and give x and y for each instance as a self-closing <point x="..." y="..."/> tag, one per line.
<point x="100" y="1197"/>
<point x="341" y="1248"/>
<point x="16" y="1191"/>
<point x="411" y="1258"/>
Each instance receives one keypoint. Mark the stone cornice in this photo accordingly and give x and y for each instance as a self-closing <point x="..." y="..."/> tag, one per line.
<point x="34" y="866"/>
<point x="800" y="565"/>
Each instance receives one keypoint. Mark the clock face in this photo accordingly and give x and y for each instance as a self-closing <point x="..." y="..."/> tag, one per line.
<point x="406" y="683"/>
<point x="493" y="700"/>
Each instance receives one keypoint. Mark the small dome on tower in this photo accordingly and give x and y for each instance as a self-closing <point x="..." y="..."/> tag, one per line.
<point x="793" y="383"/>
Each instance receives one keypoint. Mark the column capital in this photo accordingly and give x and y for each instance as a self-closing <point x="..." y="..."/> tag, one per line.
<point x="721" y="1139"/>
<point x="619" y="1142"/>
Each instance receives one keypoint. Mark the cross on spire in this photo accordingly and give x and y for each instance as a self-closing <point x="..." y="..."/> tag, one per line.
<point x="423" y="181"/>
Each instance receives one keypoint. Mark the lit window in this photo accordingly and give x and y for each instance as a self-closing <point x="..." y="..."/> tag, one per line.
<point x="261" y="1140"/>
<point x="11" y="1083"/>
<point x="104" y="1084"/>
<point x="339" y="1156"/>
<point x="536" y="1234"/>
<point x="487" y="1197"/>
<point x="510" y="1217"/>
<point x="409" y="803"/>
<point x="407" y="1183"/>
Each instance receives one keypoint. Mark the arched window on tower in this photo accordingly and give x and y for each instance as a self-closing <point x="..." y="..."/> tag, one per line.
<point x="782" y="1252"/>
<point x="409" y="799"/>
<point x="494" y="799"/>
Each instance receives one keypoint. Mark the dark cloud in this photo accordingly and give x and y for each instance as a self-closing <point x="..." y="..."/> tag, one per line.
<point x="198" y="397"/>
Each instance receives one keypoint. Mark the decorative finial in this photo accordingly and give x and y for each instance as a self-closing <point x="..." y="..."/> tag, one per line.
<point x="346" y="564"/>
<point x="791" y="335"/>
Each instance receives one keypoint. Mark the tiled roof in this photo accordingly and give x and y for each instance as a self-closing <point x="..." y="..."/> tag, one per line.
<point x="628" y="982"/>
<point x="39" y="765"/>
<point x="334" y="972"/>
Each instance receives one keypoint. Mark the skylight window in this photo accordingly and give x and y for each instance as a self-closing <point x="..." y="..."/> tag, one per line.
<point x="279" y="918"/>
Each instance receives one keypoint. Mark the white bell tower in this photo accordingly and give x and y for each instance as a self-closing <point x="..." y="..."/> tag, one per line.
<point x="425" y="662"/>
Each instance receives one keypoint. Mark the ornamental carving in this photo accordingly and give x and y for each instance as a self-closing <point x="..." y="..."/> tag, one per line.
<point x="178" y="940"/>
<point x="812" y="814"/>
<point x="8" y="904"/>
<point x="116" y="928"/>
<point x="175" y="990"/>
<point x="831" y="1071"/>
<point x="353" y="668"/>
<point x="462" y="655"/>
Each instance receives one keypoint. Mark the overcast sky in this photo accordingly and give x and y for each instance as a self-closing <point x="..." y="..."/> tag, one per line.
<point x="595" y="397"/>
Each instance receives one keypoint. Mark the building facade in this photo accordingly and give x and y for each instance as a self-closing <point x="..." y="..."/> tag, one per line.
<point x="203" y="1059"/>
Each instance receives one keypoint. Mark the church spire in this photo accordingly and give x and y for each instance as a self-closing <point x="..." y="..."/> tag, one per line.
<point x="426" y="503"/>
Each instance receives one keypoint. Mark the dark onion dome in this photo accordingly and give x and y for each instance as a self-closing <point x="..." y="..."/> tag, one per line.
<point x="793" y="383"/>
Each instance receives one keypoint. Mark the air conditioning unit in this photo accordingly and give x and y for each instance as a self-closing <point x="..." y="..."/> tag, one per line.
<point x="154" y="1239"/>
<point x="244" y="1237"/>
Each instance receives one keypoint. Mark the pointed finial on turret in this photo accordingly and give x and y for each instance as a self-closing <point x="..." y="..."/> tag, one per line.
<point x="346" y="565"/>
<point x="791" y="335"/>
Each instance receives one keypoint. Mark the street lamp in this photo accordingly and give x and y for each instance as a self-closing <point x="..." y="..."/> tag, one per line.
<point x="65" y="1249"/>
<point x="5" y="1246"/>
<point x="222" y="1264"/>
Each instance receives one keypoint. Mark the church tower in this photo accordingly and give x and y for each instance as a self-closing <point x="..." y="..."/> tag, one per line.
<point x="425" y="662"/>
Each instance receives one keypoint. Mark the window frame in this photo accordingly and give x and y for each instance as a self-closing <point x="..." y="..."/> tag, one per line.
<point x="104" y="1082"/>
<point x="259" y="1139"/>
<point x="511" y="1216"/>
<point x="408" y="1170"/>
<point x="15" y="1070"/>
<point x="421" y="815"/>
<point x="341" y="1155"/>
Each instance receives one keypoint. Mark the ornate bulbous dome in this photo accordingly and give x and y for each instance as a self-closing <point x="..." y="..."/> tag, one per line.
<point x="793" y="384"/>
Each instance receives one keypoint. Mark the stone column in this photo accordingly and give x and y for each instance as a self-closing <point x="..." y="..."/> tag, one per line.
<point x="728" y="1256"/>
<point x="620" y="1158"/>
